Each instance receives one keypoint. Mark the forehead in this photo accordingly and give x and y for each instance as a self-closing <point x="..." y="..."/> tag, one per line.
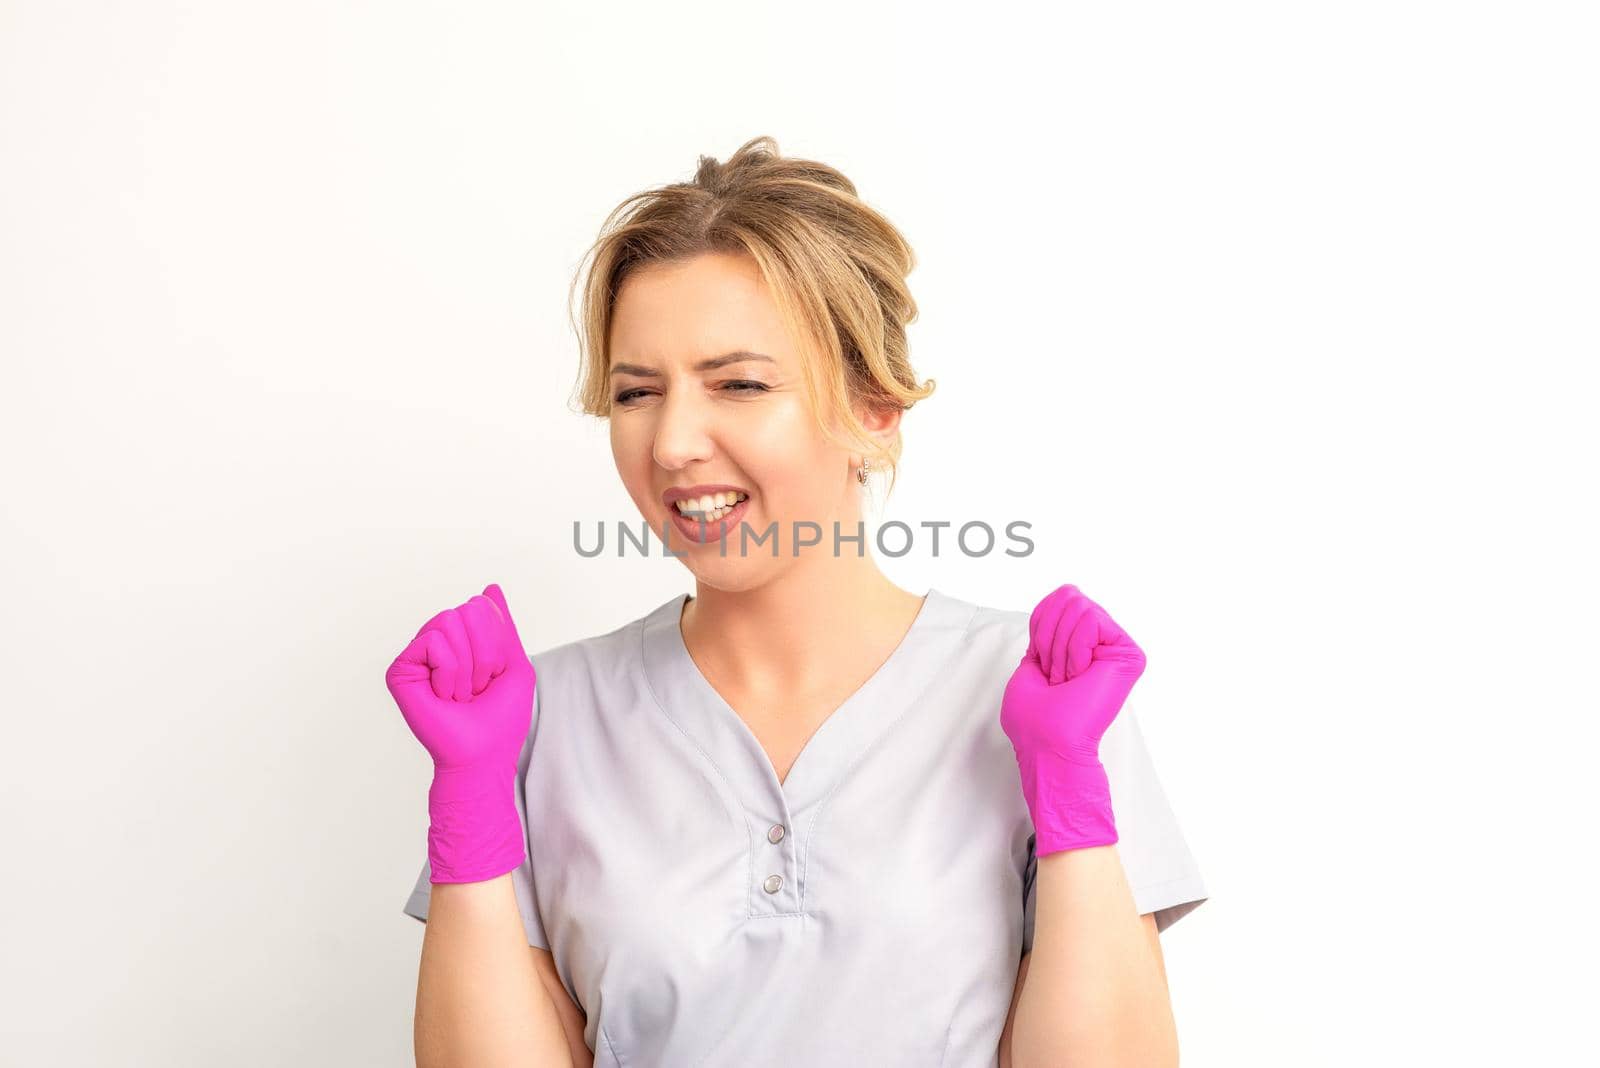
<point x="679" y="313"/>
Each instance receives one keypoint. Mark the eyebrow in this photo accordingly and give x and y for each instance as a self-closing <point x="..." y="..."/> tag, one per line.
<point x="709" y="364"/>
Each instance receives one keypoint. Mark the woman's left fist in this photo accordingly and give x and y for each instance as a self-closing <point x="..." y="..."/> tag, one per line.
<point x="1072" y="681"/>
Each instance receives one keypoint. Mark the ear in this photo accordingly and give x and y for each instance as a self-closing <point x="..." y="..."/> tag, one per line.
<point x="882" y="423"/>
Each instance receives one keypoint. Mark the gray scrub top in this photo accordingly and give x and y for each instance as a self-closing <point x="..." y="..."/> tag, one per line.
<point x="871" y="909"/>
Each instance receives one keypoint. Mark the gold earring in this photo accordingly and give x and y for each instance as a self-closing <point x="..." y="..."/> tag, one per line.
<point x="861" y="475"/>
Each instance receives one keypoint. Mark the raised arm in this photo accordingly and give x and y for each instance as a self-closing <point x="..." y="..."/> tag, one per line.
<point x="465" y="686"/>
<point x="480" y="998"/>
<point x="1095" y="990"/>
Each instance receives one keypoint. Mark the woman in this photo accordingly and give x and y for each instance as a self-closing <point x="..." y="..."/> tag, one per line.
<point x="802" y="816"/>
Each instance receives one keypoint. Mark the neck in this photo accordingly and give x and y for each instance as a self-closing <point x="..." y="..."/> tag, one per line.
<point x="790" y="634"/>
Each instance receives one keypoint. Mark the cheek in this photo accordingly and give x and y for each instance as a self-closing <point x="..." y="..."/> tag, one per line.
<point x="785" y="431"/>
<point x="786" y="456"/>
<point x="630" y="451"/>
<point x="631" y="435"/>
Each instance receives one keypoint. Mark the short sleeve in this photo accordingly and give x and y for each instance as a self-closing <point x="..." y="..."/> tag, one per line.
<point x="1160" y="868"/>
<point x="522" y="876"/>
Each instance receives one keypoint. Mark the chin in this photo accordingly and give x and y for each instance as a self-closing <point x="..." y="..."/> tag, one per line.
<point x="728" y="574"/>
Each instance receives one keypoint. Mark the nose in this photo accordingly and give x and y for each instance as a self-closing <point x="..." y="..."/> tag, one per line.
<point x="682" y="431"/>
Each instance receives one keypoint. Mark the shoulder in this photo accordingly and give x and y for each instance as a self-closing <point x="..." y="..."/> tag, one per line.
<point x="990" y="644"/>
<point x="610" y="655"/>
<point x="1000" y="625"/>
<point x="992" y="629"/>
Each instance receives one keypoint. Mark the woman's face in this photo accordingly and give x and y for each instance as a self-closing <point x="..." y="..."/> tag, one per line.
<point x="707" y="390"/>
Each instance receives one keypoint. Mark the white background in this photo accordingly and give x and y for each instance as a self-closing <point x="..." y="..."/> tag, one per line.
<point x="1276" y="320"/>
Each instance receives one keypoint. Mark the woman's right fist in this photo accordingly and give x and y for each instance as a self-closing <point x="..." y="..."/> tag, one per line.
<point x="465" y="687"/>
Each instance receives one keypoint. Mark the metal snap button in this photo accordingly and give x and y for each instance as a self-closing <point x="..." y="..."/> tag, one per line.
<point x="775" y="835"/>
<point x="773" y="883"/>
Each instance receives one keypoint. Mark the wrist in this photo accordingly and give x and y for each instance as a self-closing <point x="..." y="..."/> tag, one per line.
<point x="474" y="832"/>
<point x="1070" y="802"/>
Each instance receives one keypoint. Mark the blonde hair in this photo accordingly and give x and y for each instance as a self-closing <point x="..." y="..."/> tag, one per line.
<point x="836" y="269"/>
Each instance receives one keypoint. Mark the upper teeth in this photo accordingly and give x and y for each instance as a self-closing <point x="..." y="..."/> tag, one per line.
<point x="711" y="502"/>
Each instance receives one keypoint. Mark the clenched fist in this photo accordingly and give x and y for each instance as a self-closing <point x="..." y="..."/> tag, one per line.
<point x="1072" y="681"/>
<point x="465" y="687"/>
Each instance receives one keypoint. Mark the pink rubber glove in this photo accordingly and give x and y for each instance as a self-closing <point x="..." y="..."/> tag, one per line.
<point x="1066" y="691"/>
<point x="465" y="688"/>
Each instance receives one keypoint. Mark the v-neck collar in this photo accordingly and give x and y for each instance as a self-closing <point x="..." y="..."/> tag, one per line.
<point x="691" y="702"/>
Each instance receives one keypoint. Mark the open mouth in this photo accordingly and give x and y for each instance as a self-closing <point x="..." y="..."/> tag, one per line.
<point x="711" y="507"/>
<point x="708" y="518"/>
